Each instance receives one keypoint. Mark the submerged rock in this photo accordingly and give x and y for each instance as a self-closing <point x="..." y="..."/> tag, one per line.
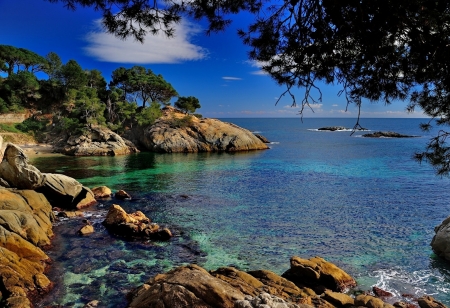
<point x="122" y="194"/>
<point x="387" y="135"/>
<point x="177" y="132"/>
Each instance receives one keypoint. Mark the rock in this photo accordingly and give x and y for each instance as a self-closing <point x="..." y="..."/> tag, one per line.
<point x="262" y="138"/>
<point x="70" y="214"/>
<point x="266" y="300"/>
<point x="381" y="293"/>
<point x="368" y="301"/>
<point x="101" y="192"/>
<point x="185" y="286"/>
<point x="176" y="132"/>
<point x="317" y="272"/>
<point x="92" y="304"/>
<point x="338" y="299"/>
<point x="25" y="225"/>
<point x="86" y="229"/>
<point x="441" y="240"/>
<point x="429" y="302"/>
<point x="16" y="172"/>
<point x="333" y="128"/>
<point x="387" y="135"/>
<point x="135" y="225"/>
<point x="65" y="192"/>
<point x="96" y="141"/>
<point x="122" y="194"/>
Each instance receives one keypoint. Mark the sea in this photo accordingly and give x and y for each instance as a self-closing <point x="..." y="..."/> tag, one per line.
<point x="362" y="203"/>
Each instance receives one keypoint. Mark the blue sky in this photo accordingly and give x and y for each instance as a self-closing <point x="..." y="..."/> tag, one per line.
<point x="214" y="68"/>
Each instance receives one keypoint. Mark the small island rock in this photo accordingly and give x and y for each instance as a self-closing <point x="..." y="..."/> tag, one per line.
<point x="101" y="192"/>
<point x="387" y="135"/>
<point x="122" y="194"/>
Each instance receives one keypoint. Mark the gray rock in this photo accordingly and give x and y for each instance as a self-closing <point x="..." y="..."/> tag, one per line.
<point x="15" y="171"/>
<point x="441" y="240"/>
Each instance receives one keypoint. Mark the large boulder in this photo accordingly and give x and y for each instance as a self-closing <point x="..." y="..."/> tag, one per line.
<point x="65" y="192"/>
<point x="186" y="286"/>
<point x="16" y="172"/>
<point x="177" y="132"/>
<point x="25" y="226"/>
<point x="441" y="240"/>
<point x="317" y="272"/>
<point x="95" y="141"/>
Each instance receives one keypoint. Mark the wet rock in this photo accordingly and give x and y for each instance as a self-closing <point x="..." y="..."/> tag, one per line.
<point x="101" y="192"/>
<point x="333" y="128"/>
<point x="429" y="302"/>
<point x="185" y="286"/>
<point x="86" y="229"/>
<point x="387" y="135"/>
<point x="316" y="272"/>
<point x="70" y="214"/>
<point x="134" y="225"/>
<point x="16" y="172"/>
<point x="381" y="293"/>
<point x="266" y="300"/>
<point x="92" y="304"/>
<point x="122" y="194"/>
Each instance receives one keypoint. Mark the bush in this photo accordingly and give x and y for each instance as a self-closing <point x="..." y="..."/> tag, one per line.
<point x="32" y="125"/>
<point x="181" y="122"/>
<point x="9" y="128"/>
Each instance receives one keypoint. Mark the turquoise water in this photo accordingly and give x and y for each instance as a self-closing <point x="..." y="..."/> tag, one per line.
<point x="361" y="203"/>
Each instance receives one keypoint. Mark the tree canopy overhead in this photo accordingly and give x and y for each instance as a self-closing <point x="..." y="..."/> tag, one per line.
<point x="376" y="50"/>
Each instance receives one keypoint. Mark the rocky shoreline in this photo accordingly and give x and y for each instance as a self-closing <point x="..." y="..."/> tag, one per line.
<point x="30" y="202"/>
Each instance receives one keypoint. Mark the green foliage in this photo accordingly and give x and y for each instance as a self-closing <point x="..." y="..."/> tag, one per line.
<point x="72" y="76"/>
<point x="70" y="125"/>
<point x="181" y="122"/>
<point x="32" y="125"/>
<point x="9" y="128"/>
<point x="13" y="59"/>
<point x="148" y="115"/>
<point x="187" y="104"/>
<point x="143" y="84"/>
<point x="54" y="65"/>
<point x="198" y="115"/>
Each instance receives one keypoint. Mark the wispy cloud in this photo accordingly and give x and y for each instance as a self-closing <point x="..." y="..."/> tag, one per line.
<point x="155" y="49"/>
<point x="258" y="65"/>
<point x="334" y="105"/>
<point x="231" y="78"/>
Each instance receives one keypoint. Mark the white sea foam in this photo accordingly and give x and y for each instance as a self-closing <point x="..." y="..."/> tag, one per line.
<point x="274" y="142"/>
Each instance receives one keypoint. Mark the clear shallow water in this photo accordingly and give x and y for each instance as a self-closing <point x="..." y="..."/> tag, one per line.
<point x="361" y="203"/>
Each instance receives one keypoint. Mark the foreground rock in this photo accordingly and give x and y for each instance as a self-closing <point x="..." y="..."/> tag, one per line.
<point x="176" y="132"/>
<point x="135" y="225"/>
<point x="25" y="226"/>
<point x="441" y="240"/>
<point x="387" y="135"/>
<point x="97" y="141"/>
<point x="316" y="272"/>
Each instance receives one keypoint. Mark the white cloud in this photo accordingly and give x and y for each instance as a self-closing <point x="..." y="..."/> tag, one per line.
<point x="231" y="78"/>
<point x="155" y="49"/>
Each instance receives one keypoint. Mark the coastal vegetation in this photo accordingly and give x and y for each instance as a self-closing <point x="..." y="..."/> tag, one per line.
<point x="72" y="98"/>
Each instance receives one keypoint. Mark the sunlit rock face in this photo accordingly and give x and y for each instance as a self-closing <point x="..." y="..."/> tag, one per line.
<point x="176" y="132"/>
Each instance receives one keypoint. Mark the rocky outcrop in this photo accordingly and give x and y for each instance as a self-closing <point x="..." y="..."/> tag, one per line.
<point x="185" y="286"/>
<point x="97" y="141"/>
<point x="102" y="192"/>
<point x="317" y="272"/>
<point x="441" y="240"/>
<point x="134" y="225"/>
<point x="25" y="225"/>
<point x="66" y="192"/>
<point x="387" y="135"/>
<point x="333" y="128"/>
<point x="177" y="132"/>
<point x="15" y="171"/>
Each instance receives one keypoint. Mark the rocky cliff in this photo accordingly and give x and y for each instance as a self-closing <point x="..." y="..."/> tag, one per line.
<point x="178" y="132"/>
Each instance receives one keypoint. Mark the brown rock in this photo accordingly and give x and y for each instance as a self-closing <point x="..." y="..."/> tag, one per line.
<point x="338" y="299"/>
<point x="381" y="293"/>
<point x="195" y="135"/>
<point x="86" y="229"/>
<point x="16" y="172"/>
<point x="368" y="301"/>
<point x="318" y="272"/>
<point x="186" y="286"/>
<point x="122" y="194"/>
<point x="429" y="302"/>
<point x="101" y="192"/>
<point x="71" y="214"/>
